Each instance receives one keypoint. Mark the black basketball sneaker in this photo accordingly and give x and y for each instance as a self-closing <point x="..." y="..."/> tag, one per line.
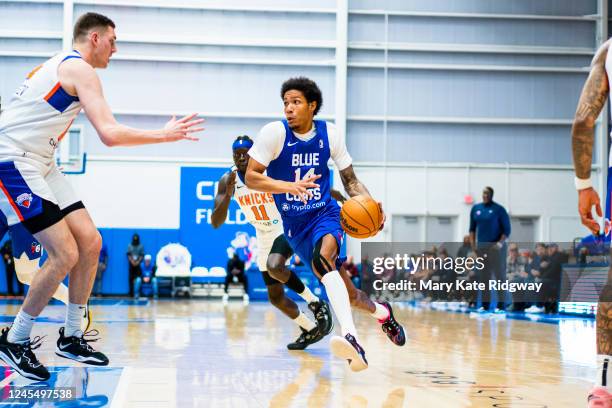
<point x="77" y="348"/>
<point x="393" y="330"/>
<point x="348" y="349"/>
<point x="306" y="339"/>
<point x="21" y="358"/>
<point x="323" y="316"/>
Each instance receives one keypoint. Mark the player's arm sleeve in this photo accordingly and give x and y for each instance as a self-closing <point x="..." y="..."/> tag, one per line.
<point x="268" y="143"/>
<point x="337" y="147"/>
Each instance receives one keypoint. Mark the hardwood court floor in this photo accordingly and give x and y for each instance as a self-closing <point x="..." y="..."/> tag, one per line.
<point x="193" y="353"/>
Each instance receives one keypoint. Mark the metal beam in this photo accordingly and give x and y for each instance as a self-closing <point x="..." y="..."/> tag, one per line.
<point x="487" y="16"/>
<point x="341" y="65"/>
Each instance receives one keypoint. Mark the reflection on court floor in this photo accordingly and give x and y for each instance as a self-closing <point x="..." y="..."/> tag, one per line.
<point x="191" y="353"/>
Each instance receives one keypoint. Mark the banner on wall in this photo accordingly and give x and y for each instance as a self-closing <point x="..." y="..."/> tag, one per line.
<point x="210" y="247"/>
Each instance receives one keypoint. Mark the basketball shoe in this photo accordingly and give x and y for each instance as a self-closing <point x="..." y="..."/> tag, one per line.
<point x="323" y="316"/>
<point x="348" y="349"/>
<point x="393" y="330"/>
<point x="306" y="339"/>
<point x="77" y="348"/>
<point x="21" y="357"/>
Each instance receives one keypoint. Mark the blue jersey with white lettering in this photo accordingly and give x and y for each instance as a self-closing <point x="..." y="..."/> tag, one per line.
<point x="300" y="159"/>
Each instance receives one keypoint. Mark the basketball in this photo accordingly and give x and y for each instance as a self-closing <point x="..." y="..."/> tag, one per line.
<point x="360" y="217"/>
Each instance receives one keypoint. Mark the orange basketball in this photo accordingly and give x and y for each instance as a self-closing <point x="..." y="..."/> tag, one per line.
<point x="360" y="217"/>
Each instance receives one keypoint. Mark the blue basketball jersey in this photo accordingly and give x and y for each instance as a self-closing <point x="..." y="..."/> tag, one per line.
<point x="298" y="160"/>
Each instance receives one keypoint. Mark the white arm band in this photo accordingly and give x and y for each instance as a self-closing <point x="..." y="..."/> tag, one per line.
<point x="581" y="184"/>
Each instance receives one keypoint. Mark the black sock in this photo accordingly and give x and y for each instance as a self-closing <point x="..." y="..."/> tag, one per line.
<point x="295" y="284"/>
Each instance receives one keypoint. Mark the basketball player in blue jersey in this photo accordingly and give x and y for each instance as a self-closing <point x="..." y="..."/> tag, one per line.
<point x="273" y="250"/>
<point x="35" y="194"/>
<point x="295" y="153"/>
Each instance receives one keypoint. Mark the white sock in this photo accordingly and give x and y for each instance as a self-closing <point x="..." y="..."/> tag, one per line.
<point x="339" y="299"/>
<point x="381" y="313"/>
<point x="308" y="296"/>
<point x="304" y="322"/>
<point x="21" y="328"/>
<point x="74" y="317"/>
<point x="604" y="371"/>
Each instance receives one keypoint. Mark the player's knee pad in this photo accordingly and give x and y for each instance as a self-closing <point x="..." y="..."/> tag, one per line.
<point x="319" y="263"/>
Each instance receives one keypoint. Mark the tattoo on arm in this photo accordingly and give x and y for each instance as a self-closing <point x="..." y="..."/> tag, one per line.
<point x="592" y="100"/>
<point x="352" y="185"/>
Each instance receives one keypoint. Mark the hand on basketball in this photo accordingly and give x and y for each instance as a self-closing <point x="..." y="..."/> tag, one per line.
<point x="181" y="129"/>
<point x="300" y="188"/>
<point x="587" y="198"/>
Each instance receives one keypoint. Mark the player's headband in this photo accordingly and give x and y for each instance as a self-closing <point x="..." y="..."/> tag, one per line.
<point x="241" y="144"/>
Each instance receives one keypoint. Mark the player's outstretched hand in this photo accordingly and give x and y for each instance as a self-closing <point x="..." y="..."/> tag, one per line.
<point x="587" y="198"/>
<point x="300" y="188"/>
<point x="181" y="129"/>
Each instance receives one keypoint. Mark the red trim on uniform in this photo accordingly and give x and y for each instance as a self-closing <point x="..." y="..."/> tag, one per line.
<point x="52" y="91"/>
<point x="11" y="202"/>
<point x="61" y="136"/>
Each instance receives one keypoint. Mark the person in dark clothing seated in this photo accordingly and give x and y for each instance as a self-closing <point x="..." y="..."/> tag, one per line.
<point x="147" y="276"/>
<point x="235" y="273"/>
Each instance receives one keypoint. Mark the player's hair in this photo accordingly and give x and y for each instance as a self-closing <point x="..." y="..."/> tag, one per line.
<point x="308" y="87"/>
<point x="88" y="21"/>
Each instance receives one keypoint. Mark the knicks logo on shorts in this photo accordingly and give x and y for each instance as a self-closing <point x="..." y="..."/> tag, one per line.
<point x="24" y="200"/>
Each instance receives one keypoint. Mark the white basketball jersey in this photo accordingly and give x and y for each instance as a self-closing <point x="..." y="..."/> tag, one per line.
<point x="259" y="208"/>
<point x="39" y="113"/>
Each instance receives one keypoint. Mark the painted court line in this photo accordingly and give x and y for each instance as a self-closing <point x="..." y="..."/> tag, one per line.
<point x="120" y="396"/>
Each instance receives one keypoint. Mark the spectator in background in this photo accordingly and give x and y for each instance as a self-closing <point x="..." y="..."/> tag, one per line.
<point x="352" y="271"/>
<point x="489" y="229"/>
<point x="135" y="254"/>
<point x="465" y="249"/>
<point x="515" y="268"/>
<point x="9" y="267"/>
<point x="515" y="264"/>
<point x="550" y="275"/>
<point x="102" y="265"/>
<point x="235" y="273"/>
<point x="533" y="268"/>
<point x="147" y="277"/>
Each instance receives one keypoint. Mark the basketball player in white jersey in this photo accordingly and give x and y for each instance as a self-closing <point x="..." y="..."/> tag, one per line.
<point x="273" y="250"/>
<point x="592" y="100"/>
<point x="34" y="193"/>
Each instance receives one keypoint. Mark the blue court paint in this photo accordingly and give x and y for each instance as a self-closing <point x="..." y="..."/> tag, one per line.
<point x="94" y="386"/>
